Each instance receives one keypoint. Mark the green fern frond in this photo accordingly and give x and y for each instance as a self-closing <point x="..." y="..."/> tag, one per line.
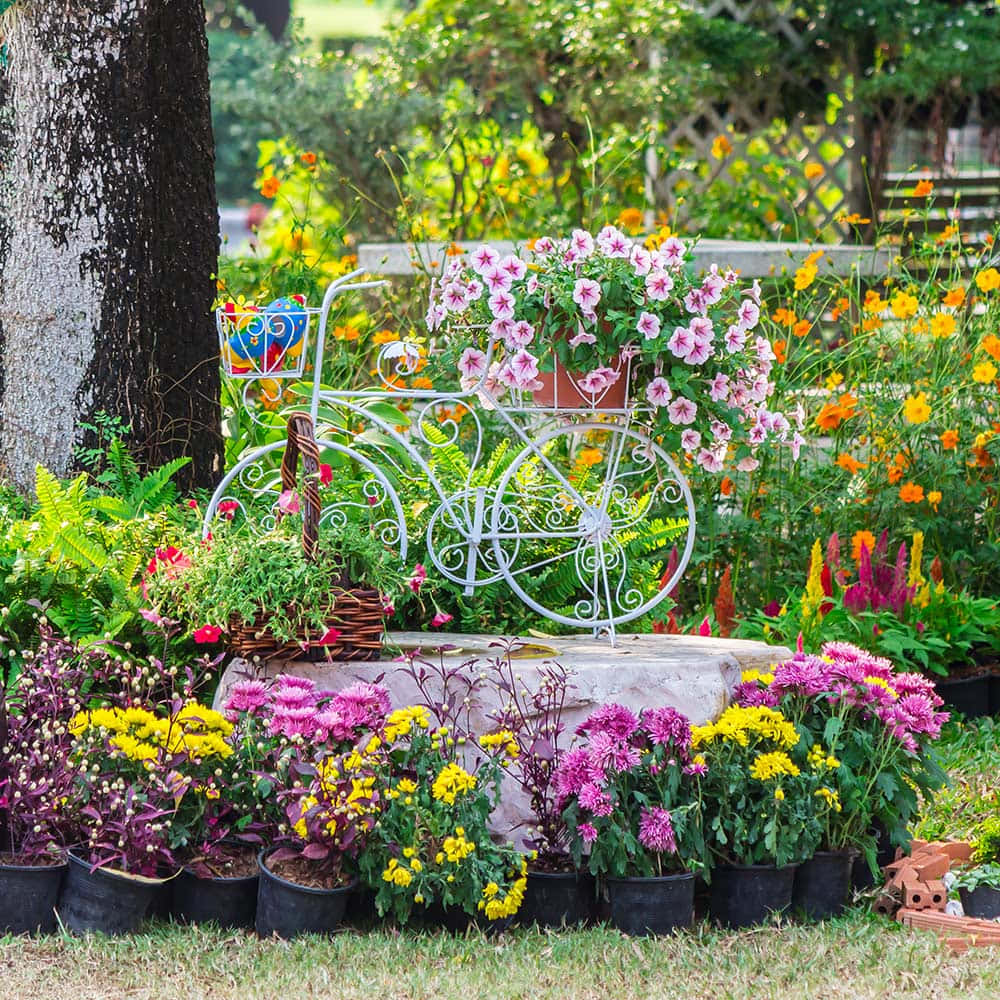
<point x="446" y="457"/>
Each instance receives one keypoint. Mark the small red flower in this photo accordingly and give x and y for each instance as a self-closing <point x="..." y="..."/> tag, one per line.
<point x="441" y="618"/>
<point x="419" y="575"/>
<point x="289" y="502"/>
<point x="228" y="508"/>
<point x="207" y="634"/>
<point x="325" y="474"/>
<point x="193" y="504"/>
<point x="329" y="637"/>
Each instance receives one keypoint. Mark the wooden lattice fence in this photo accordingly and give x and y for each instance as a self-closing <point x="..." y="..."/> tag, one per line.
<point x="803" y="163"/>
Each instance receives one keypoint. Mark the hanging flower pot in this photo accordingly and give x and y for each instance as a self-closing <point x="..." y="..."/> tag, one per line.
<point x="28" y="897"/>
<point x="655" y="905"/>
<point x="558" y="899"/>
<point x="604" y="388"/>
<point x="287" y="908"/>
<point x="745" y="895"/>
<point x="104" y="900"/>
<point x="823" y="884"/>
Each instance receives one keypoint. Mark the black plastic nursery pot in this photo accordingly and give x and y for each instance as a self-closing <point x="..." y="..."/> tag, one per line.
<point x="995" y="693"/>
<point x="227" y="902"/>
<point x="656" y="905"/>
<point x="455" y="920"/>
<point x="969" y="695"/>
<point x="982" y="902"/>
<point x="746" y="895"/>
<point x="107" y="901"/>
<point x="286" y="909"/>
<point x="558" y="899"/>
<point x="822" y="886"/>
<point x="28" y="898"/>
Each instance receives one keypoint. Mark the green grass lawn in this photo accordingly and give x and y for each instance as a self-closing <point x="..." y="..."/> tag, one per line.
<point x="340" y="18"/>
<point x="855" y="958"/>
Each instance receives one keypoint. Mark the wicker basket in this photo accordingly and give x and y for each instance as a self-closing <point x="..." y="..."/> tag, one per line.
<point x="356" y="613"/>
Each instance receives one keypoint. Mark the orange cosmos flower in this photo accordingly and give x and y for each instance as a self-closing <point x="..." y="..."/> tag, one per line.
<point x="911" y="493"/>
<point x="934" y="498"/>
<point x="859" y="538"/>
<point x="726" y="486"/>
<point x="988" y="280"/>
<point x="923" y="189"/>
<point x="942" y="325"/>
<point x="984" y="373"/>
<point x="840" y="307"/>
<point x="849" y="463"/>
<point x="308" y="159"/>
<point x="949" y="440"/>
<point x="955" y="297"/>
<point x="269" y="187"/>
<point x="802" y="328"/>
<point x="780" y="347"/>
<point x="991" y="345"/>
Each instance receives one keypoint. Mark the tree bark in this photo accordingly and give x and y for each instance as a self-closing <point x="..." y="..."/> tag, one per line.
<point x="108" y="233"/>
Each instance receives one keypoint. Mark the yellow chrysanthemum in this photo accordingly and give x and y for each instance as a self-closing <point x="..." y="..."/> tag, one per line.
<point x="452" y="781"/>
<point x="773" y="765"/>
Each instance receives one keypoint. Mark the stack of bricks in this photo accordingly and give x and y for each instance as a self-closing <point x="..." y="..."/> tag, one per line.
<point x="916" y="895"/>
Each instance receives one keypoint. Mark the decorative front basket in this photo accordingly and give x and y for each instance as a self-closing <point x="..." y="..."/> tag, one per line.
<point x="355" y="613"/>
<point x="267" y="342"/>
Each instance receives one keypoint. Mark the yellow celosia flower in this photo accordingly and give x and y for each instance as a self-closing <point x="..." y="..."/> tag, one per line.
<point x="915" y="577"/>
<point x="813" y="596"/>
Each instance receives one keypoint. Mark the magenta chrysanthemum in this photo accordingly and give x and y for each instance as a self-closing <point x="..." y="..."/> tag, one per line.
<point x="246" y="696"/>
<point x="656" y="831"/>
<point x="594" y="799"/>
<point x="668" y="728"/>
<point x="572" y="773"/>
<point x="587" y="832"/>
<point x="616" y="720"/>
<point x="608" y="753"/>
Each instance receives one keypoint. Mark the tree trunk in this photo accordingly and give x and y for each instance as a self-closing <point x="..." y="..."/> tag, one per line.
<point x="108" y="233"/>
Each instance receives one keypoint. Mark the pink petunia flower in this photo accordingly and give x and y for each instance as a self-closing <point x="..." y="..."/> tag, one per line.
<point x="454" y="297"/>
<point x="472" y="363"/>
<point x="648" y="325"/>
<point x="749" y="314"/>
<point x="417" y="578"/>
<point x="642" y="259"/>
<point x="501" y="304"/>
<point x="581" y="242"/>
<point x="658" y="392"/>
<point x="586" y="293"/>
<point x="496" y="280"/>
<point x="719" y="388"/>
<point x="735" y="339"/>
<point x="690" y="440"/>
<point x="659" y="285"/>
<point x="682" y="411"/>
<point x="522" y="334"/>
<point x="484" y="258"/>
<point x="524" y="369"/>
<point x="514" y="266"/>
<point x="681" y="342"/>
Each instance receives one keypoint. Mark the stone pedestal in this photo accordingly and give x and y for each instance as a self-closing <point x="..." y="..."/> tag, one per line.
<point x="693" y="674"/>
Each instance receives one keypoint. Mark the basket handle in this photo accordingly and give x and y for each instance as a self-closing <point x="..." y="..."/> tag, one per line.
<point x="302" y="441"/>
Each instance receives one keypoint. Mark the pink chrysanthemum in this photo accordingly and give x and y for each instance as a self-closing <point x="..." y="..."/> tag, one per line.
<point x="668" y="728"/>
<point x="246" y="696"/>
<point x="656" y="831"/>
<point x="614" y="719"/>
<point x="587" y="832"/>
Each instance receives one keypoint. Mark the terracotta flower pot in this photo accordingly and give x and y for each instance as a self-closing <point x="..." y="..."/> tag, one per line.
<point x="560" y="390"/>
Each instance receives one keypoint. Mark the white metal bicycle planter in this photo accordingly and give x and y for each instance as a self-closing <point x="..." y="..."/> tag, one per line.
<point x="531" y="519"/>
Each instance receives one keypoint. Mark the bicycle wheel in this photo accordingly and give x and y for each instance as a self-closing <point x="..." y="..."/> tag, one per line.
<point x="580" y="518"/>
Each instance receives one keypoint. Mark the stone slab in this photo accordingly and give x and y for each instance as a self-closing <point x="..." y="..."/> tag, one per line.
<point x="694" y="674"/>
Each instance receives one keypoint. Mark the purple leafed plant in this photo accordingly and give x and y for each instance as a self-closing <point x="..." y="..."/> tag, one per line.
<point x="36" y="775"/>
<point x="535" y="717"/>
